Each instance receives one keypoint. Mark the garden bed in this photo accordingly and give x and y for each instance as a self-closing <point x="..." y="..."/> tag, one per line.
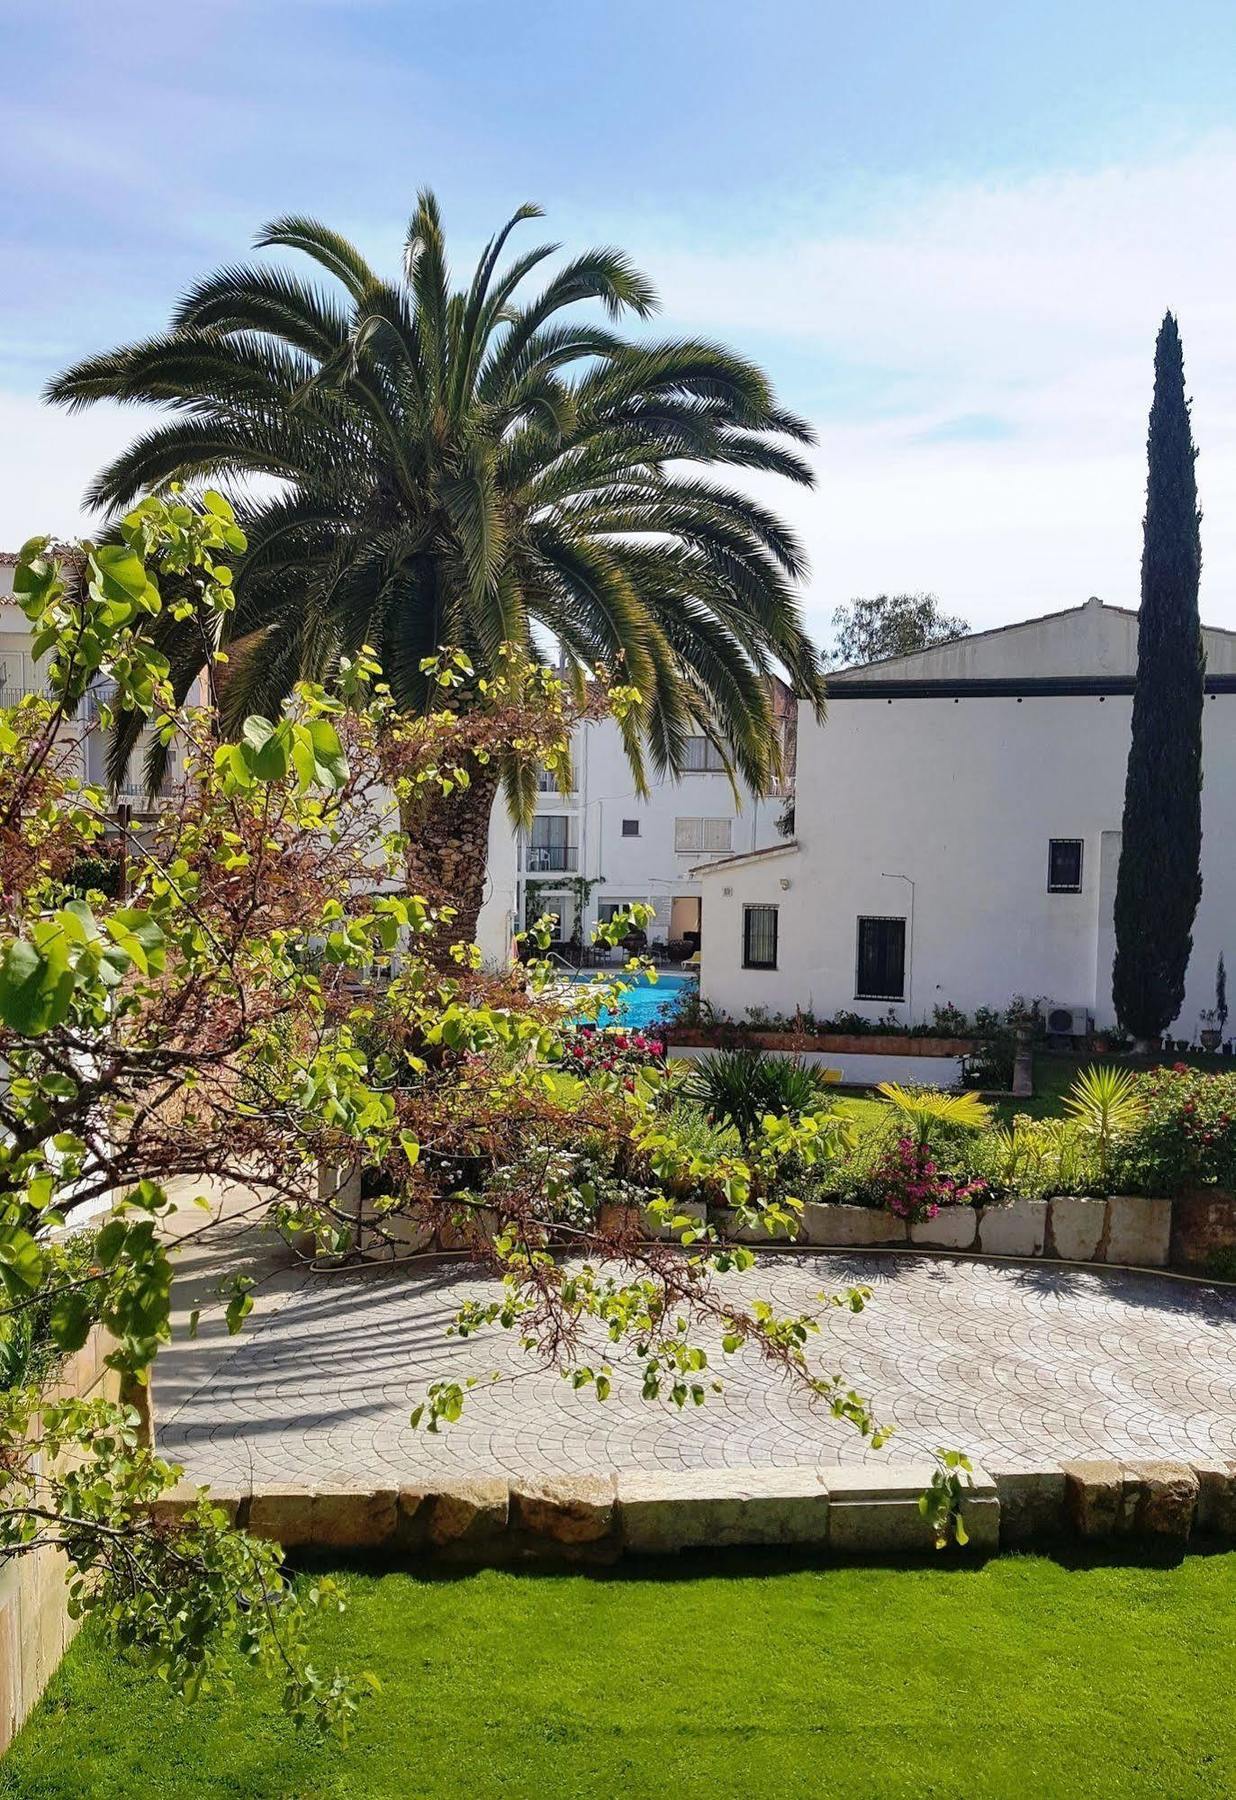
<point x="825" y="1042"/>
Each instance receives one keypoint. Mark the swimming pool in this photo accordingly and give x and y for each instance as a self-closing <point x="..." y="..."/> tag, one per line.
<point x="646" y="1003"/>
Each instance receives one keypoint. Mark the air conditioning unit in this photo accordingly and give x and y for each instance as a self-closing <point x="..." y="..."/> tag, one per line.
<point x="1069" y="1021"/>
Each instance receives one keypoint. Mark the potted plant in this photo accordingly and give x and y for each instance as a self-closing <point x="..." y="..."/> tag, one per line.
<point x="1211" y="1032"/>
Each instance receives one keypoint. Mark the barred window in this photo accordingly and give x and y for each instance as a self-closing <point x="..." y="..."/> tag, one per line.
<point x="881" y="973"/>
<point x="759" y="937"/>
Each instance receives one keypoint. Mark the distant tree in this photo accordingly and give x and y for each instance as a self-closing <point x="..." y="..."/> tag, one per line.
<point x="891" y="625"/>
<point x="1159" y="882"/>
<point x="1221" y="995"/>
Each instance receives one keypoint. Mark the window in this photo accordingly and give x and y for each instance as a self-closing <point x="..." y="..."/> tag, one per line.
<point x="1064" y="866"/>
<point x="702" y="757"/>
<point x="759" y="937"/>
<point x="630" y="828"/>
<point x="607" y="909"/>
<point x="708" y="837"/>
<point x="881" y="973"/>
<point x="550" y="847"/>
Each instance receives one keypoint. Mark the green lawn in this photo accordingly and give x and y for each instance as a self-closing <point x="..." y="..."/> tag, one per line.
<point x="1021" y="1677"/>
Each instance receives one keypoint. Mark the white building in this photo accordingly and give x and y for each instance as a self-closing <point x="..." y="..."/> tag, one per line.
<point x="20" y="674"/>
<point x="599" y="848"/>
<point x="957" y="834"/>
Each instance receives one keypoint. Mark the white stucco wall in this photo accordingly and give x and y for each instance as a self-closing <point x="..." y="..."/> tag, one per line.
<point x="646" y="867"/>
<point x="962" y="797"/>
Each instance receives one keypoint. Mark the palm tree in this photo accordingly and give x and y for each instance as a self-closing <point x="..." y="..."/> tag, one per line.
<point x="417" y="466"/>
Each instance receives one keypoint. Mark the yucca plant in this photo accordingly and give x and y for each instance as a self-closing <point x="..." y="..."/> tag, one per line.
<point x="742" y="1086"/>
<point x="1105" y="1103"/>
<point x="924" y="1111"/>
<point x="417" y="465"/>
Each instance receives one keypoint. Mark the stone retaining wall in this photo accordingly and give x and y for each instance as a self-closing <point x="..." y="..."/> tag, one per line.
<point x="868" y="1511"/>
<point x="35" y="1627"/>
<point x="1126" y="1228"/>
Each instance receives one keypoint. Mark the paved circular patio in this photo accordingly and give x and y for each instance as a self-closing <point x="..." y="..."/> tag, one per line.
<point x="1012" y="1363"/>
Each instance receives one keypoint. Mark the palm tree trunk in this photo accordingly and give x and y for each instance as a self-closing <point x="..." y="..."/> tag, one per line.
<point x="447" y="857"/>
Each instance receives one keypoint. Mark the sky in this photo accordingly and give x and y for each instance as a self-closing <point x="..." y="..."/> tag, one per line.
<point x="948" y="230"/>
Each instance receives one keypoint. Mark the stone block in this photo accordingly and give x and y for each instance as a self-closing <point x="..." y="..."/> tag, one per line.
<point x="1159" y="1500"/>
<point x="696" y="1210"/>
<point x="13" y="1704"/>
<point x="1202" y="1222"/>
<point x="758" y="1234"/>
<point x="1139" y="1231"/>
<point x="1018" y="1229"/>
<point x="413" y="1507"/>
<point x="874" y="1510"/>
<point x="710" y="1508"/>
<point x="469" y="1516"/>
<point x="578" y="1510"/>
<point x="171" y="1507"/>
<point x="1076" y="1227"/>
<point x="343" y="1519"/>
<point x="1032" y="1506"/>
<point x="1216" y="1497"/>
<point x="397" y="1233"/>
<point x="468" y="1229"/>
<point x="851" y="1227"/>
<point x="953" y="1228"/>
<point x="282" y="1514"/>
<point x="1093" y="1498"/>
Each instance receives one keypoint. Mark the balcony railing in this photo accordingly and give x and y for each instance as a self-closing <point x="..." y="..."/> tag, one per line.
<point x="547" y="783"/>
<point x="544" y="859"/>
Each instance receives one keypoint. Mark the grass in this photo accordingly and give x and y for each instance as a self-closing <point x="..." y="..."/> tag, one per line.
<point x="1018" y="1677"/>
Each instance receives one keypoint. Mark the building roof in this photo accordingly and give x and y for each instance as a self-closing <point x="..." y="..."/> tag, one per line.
<point x="1082" y="644"/>
<point x="746" y="856"/>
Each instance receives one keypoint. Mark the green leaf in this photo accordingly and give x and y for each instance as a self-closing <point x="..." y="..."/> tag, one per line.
<point x="71" y="1318"/>
<point x="266" y="747"/>
<point x="139" y="936"/>
<point x="36" y="982"/>
<point x="21" y="1262"/>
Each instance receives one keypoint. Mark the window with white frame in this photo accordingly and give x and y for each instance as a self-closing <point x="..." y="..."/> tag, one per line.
<point x="702" y="837"/>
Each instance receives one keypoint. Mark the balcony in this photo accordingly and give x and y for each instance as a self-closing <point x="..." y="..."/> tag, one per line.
<point x="551" y="859"/>
<point x="546" y="783"/>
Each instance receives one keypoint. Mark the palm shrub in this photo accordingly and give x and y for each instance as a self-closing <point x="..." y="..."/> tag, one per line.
<point x="742" y="1087"/>
<point x="1105" y="1104"/>
<point x="419" y="466"/>
<point x="925" y="1113"/>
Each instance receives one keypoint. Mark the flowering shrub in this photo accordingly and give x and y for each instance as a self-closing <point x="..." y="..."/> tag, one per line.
<point x="909" y="1183"/>
<point x="610" y="1050"/>
<point x="1186" y="1137"/>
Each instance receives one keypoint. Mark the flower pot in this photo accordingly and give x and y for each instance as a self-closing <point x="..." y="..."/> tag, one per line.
<point x="1211" y="1039"/>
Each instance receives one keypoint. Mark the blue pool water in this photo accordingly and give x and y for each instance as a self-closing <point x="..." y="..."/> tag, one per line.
<point x="645" y="1004"/>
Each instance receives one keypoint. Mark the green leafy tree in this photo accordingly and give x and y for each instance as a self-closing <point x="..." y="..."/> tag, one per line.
<point x="259" y="1005"/>
<point x="459" y="466"/>
<point x="1159" y="882"/>
<point x="891" y="625"/>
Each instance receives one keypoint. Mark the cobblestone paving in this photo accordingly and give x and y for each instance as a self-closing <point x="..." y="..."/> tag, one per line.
<point x="1012" y="1363"/>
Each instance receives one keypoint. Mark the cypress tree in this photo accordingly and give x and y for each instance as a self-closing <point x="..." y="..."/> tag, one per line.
<point x="1159" y="881"/>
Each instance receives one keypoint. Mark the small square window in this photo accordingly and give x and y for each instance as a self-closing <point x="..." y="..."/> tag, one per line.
<point x="759" y="937"/>
<point x="630" y="828"/>
<point x="1064" y="866"/>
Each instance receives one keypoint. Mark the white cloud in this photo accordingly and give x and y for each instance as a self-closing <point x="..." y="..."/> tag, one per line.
<point x="978" y="361"/>
<point x="1030" y="310"/>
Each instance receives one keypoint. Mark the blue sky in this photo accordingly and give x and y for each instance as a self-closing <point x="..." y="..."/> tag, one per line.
<point x="948" y="230"/>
